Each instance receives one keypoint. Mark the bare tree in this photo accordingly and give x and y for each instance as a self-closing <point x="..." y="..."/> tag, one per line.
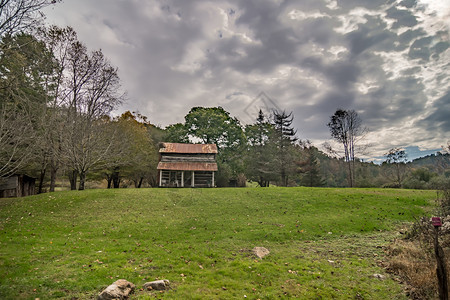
<point x="345" y="128"/>
<point x="92" y="91"/>
<point x="20" y="15"/>
<point x="59" y="42"/>
<point x="397" y="158"/>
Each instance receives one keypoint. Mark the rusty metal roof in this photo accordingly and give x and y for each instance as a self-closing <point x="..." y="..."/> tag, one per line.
<point x="187" y="148"/>
<point x="187" y="166"/>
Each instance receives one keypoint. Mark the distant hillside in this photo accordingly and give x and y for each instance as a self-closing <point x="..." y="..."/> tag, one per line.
<point x="438" y="163"/>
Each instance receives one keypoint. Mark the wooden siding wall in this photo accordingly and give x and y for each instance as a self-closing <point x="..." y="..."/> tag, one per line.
<point x="169" y="157"/>
<point x="17" y="186"/>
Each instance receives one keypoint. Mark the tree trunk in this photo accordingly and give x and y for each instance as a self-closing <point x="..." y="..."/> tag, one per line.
<point x="82" y="180"/>
<point x="53" y="170"/>
<point x="441" y="270"/>
<point x="350" y="174"/>
<point x="73" y="180"/>
<point x="116" y="178"/>
<point x="140" y="182"/>
<point x="283" y="177"/>
<point x="109" y="180"/>
<point x="41" y="180"/>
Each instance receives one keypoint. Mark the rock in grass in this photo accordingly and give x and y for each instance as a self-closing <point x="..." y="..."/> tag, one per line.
<point x="379" y="276"/>
<point x="120" y="289"/>
<point x="260" y="252"/>
<point x="157" y="285"/>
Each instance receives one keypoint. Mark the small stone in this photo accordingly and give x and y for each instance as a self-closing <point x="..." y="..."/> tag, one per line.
<point x="158" y="285"/>
<point x="260" y="252"/>
<point x="379" y="276"/>
<point x="120" y="289"/>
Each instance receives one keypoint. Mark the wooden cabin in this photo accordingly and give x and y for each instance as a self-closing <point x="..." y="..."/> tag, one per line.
<point x="187" y="165"/>
<point x="17" y="186"/>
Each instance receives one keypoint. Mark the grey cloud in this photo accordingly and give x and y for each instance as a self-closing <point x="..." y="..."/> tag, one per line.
<point x="420" y="49"/>
<point x="369" y="4"/>
<point x="439" y="119"/>
<point x="372" y="35"/>
<point x="404" y="17"/>
<point x="408" y="36"/>
<point x="408" y="3"/>
<point x="440" y="47"/>
<point x="395" y="102"/>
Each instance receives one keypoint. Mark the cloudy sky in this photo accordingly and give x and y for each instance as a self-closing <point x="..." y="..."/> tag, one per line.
<point x="387" y="59"/>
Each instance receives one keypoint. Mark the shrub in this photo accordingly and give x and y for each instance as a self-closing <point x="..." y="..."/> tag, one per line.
<point x="413" y="258"/>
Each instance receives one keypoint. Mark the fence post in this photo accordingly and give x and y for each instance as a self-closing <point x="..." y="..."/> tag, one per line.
<point x="441" y="270"/>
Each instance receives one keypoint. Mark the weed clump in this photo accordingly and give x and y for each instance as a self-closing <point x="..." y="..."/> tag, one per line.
<point x="413" y="258"/>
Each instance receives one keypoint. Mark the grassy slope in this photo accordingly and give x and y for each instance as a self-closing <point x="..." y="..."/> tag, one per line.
<point x="324" y="243"/>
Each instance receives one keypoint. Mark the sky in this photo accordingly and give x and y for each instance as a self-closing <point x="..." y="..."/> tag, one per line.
<point x="389" y="60"/>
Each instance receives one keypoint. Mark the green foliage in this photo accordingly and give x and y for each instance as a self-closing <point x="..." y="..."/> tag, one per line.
<point x="260" y="158"/>
<point x="176" y="133"/>
<point x="134" y="157"/>
<point x="26" y="86"/>
<point x="214" y="125"/>
<point x="419" y="179"/>
<point x="309" y="167"/>
<point x="283" y="139"/>
<point x="324" y="243"/>
<point x="26" y="67"/>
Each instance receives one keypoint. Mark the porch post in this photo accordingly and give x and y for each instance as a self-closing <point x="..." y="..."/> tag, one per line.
<point x="213" y="185"/>
<point x="160" y="177"/>
<point x="182" y="178"/>
<point x="192" y="179"/>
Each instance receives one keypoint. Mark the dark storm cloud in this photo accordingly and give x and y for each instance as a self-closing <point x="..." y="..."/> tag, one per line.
<point x="420" y="49"/>
<point x="373" y="35"/>
<point x="439" y="119"/>
<point x="407" y="37"/>
<point x="369" y="4"/>
<point x="394" y="103"/>
<point x="403" y="17"/>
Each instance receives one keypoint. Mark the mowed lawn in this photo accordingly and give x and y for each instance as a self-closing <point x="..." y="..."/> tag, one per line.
<point x="325" y="243"/>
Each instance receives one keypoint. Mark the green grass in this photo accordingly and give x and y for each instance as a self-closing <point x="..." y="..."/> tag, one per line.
<point x="324" y="243"/>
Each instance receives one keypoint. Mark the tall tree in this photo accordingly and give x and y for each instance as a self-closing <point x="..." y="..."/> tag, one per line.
<point x="309" y="166"/>
<point x="15" y="133"/>
<point x="261" y="152"/>
<point x="26" y="68"/>
<point x="58" y="41"/>
<point x="345" y="128"/>
<point x="92" y="87"/>
<point x="134" y="154"/>
<point x="395" y="161"/>
<point x="284" y="137"/>
<point x="214" y="125"/>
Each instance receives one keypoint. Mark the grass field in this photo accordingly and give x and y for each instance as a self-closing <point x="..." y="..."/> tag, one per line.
<point x="324" y="243"/>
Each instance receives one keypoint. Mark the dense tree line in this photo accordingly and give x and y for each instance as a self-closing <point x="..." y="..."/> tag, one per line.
<point x="56" y="97"/>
